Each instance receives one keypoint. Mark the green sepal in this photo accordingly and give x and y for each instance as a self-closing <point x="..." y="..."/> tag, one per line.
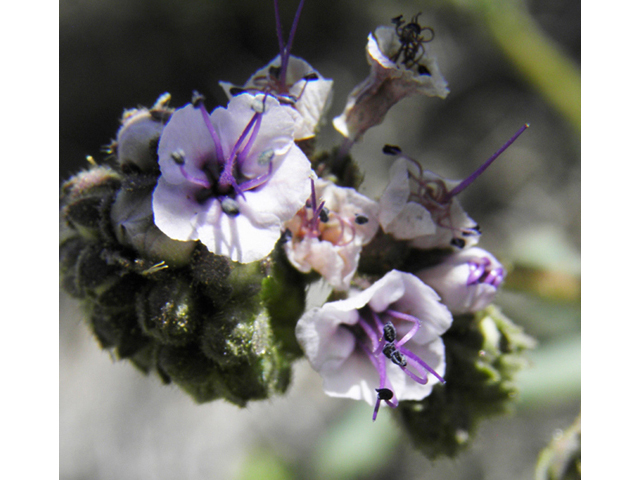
<point x="483" y="353"/>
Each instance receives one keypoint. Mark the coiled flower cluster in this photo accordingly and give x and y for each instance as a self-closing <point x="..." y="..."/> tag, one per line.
<point x="193" y="246"/>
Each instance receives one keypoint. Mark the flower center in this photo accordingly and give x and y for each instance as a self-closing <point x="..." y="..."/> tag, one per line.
<point x="317" y="221"/>
<point x="411" y="43"/>
<point x="223" y="178"/>
<point x="377" y="336"/>
<point x="480" y="271"/>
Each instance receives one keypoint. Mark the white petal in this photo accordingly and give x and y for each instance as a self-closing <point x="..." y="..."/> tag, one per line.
<point x="285" y="192"/>
<point x="186" y="132"/>
<point x="175" y="210"/>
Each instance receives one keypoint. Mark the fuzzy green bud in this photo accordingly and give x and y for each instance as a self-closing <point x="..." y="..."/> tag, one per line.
<point x="85" y="196"/>
<point x="483" y="353"/>
<point x="167" y="312"/>
<point x="132" y="221"/>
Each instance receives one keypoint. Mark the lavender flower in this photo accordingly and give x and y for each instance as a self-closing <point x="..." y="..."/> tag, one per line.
<point x="327" y="236"/>
<point x="401" y="65"/>
<point x="382" y="344"/>
<point x="230" y="179"/>
<point x="467" y="281"/>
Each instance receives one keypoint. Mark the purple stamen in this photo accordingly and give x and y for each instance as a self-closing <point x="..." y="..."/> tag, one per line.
<point x="495" y="277"/>
<point x="284" y="58"/>
<point x="256" y="182"/>
<point x="499" y="277"/>
<point x="201" y="182"/>
<point x="470" y="179"/>
<point x="409" y="318"/>
<point x="314" y="205"/>
<point x="370" y="333"/>
<point x="212" y="131"/>
<point x="413" y="357"/>
<point x="227" y="179"/>
<point x="279" y="30"/>
<point x="254" y="133"/>
<point x="382" y="338"/>
<point x="476" y="271"/>
<point x="421" y="380"/>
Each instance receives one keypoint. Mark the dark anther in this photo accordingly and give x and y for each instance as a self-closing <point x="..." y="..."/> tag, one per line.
<point x="398" y="358"/>
<point x="411" y="41"/>
<point x="384" y="393"/>
<point x="388" y="350"/>
<point x="361" y="219"/>
<point x="197" y="99"/>
<point x="324" y="215"/>
<point x="230" y="207"/>
<point x="422" y="70"/>
<point x="476" y="228"/>
<point x="178" y="157"/>
<point x="389" y="332"/>
<point x="287" y="235"/>
<point x="391" y="150"/>
<point x="236" y="91"/>
<point x="311" y="76"/>
<point x="458" y="242"/>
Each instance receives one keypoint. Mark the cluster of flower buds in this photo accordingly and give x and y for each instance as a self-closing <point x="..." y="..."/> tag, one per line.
<point x="193" y="252"/>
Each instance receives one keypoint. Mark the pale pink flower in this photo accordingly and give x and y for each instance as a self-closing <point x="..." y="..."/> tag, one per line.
<point x="328" y="234"/>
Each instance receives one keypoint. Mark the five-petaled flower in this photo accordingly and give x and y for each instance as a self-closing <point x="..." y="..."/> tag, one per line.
<point x="232" y="178"/>
<point x="467" y="281"/>
<point x="328" y="234"/>
<point x="382" y="344"/>
<point x="401" y="65"/>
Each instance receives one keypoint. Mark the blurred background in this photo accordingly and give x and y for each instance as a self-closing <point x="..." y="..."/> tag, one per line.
<point x="508" y="62"/>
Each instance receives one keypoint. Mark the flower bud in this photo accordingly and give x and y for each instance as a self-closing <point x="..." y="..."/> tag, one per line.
<point x="188" y="368"/>
<point x="118" y="330"/>
<point x="85" y="196"/>
<point x="137" y="140"/>
<point x="132" y="220"/>
<point x="167" y="311"/>
<point x="70" y="249"/>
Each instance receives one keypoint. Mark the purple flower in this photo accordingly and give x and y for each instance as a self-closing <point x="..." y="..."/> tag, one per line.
<point x="304" y="90"/>
<point x="400" y="66"/>
<point x="328" y="234"/>
<point x="230" y="179"/>
<point x="467" y="281"/>
<point x="382" y="344"/>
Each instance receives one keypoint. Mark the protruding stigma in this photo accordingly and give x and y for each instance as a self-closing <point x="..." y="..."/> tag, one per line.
<point x="470" y="179"/>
